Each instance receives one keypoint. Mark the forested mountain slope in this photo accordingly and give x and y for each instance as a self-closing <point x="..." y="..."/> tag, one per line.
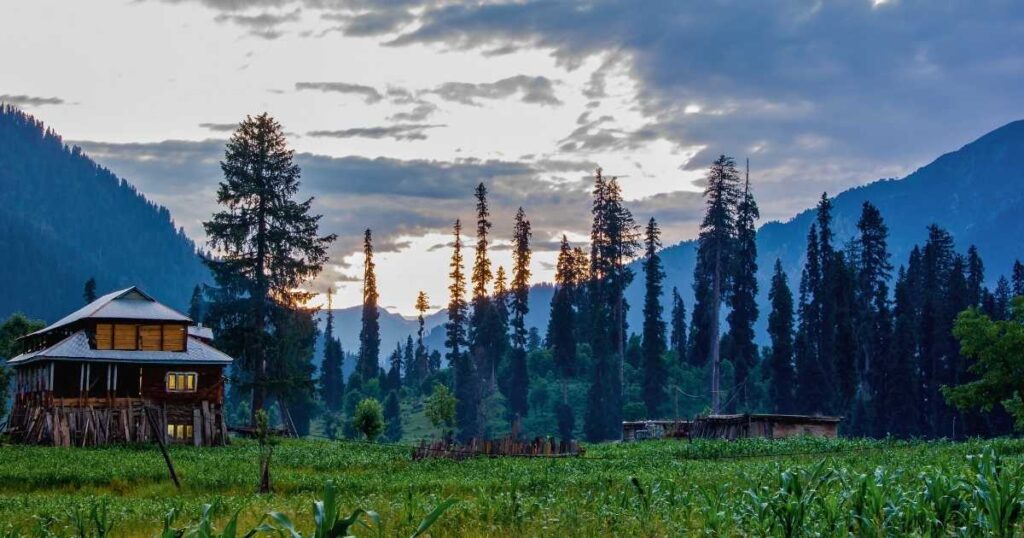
<point x="64" y="219"/>
<point x="976" y="193"/>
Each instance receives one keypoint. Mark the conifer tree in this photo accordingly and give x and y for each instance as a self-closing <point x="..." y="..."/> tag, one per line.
<point x="873" y="316"/>
<point x="814" y="375"/>
<point x="782" y="376"/>
<point x="368" y="363"/>
<point x="613" y="243"/>
<point x="332" y="380"/>
<point x="653" y="347"/>
<point x="975" y="276"/>
<point x="678" y="337"/>
<point x="825" y="297"/>
<point x="394" y="375"/>
<point x="742" y="350"/>
<point x="89" y="291"/>
<point x="711" y="272"/>
<point x="937" y="346"/>
<point x="898" y="410"/>
<point x="421" y="366"/>
<point x="519" y="382"/>
<point x="466" y="380"/>
<point x="269" y="247"/>
<point x="486" y="335"/>
<point x="1018" y="278"/>
<point x="195" y="305"/>
<point x="562" y="333"/>
<point x="393" y="417"/>
<point x="1002" y="296"/>
<point x="408" y="361"/>
<point x="844" y="346"/>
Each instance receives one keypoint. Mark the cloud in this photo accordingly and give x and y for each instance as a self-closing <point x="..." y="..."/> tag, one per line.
<point x="220" y="127"/>
<point x="369" y="93"/>
<point x="420" y="112"/>
<point x="29" y="100"/>
<point x="405" y="131"/>
<point x="536" y="90"/>
<point x="368" y="24"/>
<point x="886" y="85"/>
<point x="265" y="25"/>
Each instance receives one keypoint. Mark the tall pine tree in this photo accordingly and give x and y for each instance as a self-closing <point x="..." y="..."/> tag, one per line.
<point x="782" y="376"/>
<point x="466" y="380"/>
<point x="614" y="242"/>
<point x="269" y="247"/>
<point x="653" y="346"/>
<point x="873" y="316"/>
<point x="711" y="272"/>
<point x="368" y="363"/>
<point x="332" y="381"/>
<point x="677" y="340"/>
<point x="743" y="352"/>
<point x="519" y="381"/>
<point x="562" y="333"/>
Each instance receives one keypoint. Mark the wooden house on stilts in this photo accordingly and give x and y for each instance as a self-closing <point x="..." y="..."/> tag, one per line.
<point x="122" y="369"/>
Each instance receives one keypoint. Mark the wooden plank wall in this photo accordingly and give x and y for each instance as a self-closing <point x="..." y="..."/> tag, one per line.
<point x="88" y="425"/>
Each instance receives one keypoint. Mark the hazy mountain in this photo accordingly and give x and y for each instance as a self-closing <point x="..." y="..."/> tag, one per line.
<point x="976" y="193"/>
<point x="64" y="219"/>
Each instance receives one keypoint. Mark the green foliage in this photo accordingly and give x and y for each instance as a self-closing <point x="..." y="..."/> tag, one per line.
<point x="998" y="348"/>
<point x="824" y="487"/>
<point x="16" y="326"/>
<point x="440" y="409"/>
<point x="369" y="418"/>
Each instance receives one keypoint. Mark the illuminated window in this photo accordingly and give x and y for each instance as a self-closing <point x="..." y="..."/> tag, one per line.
<point x="181" y="381"/>
<point x="179" y="431"/>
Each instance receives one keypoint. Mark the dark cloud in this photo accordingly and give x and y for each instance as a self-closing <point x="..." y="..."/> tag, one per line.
<point x="371" y="23"/>
<point x="791" y="83"/>
<point x="369" y="93"/>
<point x="29" y="100"/>
<point x="419" y="112"/>
<point x="220" y="127"/>
<point x="265" y="25"/>
<point x="537" y="90"/>
<point x="405" y="131"/>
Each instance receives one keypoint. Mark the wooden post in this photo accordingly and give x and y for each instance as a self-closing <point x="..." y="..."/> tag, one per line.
<point x="163" y="447"/>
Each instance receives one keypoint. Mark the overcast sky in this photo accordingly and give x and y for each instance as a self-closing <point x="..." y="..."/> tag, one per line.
<point x="397" y="109"/>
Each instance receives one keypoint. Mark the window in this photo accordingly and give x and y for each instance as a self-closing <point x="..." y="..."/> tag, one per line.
<point x="174" y="338"/>
<point x="131" y="337"/>
<point x="182" y="381"/>
<point x="104" y="336"/>
<point x="179" y="431"/>
<point x="126" y="337"/>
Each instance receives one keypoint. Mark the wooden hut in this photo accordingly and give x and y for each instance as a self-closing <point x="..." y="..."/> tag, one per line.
<point x="122" y="369"/>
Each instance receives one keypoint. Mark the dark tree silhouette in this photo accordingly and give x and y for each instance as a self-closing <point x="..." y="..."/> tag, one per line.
<point x="711" y="272"/>
<point x="269" y="247"/>
<point x="368" y="363"/>
<point x="782" y="376"/>
<point x="653" y="348"/>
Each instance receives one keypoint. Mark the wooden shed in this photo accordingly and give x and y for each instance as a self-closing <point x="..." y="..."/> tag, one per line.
<point x="122" y="369"/>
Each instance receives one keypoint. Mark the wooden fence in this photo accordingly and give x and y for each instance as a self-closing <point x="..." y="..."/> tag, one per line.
<point x="539" y="447"/>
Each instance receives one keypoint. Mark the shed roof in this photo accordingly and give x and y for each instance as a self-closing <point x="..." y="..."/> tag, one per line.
<point x="773" y="417"/>
<point x="129" y="303"/>
<point x="76" y="348"/>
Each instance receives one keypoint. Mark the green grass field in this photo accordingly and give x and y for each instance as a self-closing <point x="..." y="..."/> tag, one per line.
<point x="751" y="487"/>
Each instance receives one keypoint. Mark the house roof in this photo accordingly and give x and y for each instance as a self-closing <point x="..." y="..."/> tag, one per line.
<point x="129" y="303"/>
<point x="76" y="348"/>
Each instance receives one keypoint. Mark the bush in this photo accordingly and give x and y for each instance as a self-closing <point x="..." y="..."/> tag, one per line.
<point x="369" y="418"/>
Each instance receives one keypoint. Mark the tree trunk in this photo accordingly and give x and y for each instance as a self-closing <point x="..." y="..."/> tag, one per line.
<point x="259" y="389"/>
<point x="716" y="293"/>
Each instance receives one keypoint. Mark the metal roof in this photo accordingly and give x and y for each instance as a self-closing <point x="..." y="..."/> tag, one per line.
<point x="129" y="303"/>
<point x="76" y="348"/>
